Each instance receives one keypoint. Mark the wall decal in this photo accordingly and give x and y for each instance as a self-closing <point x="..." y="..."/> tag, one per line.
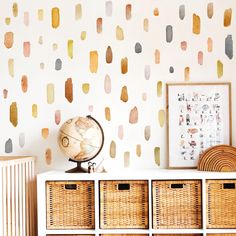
<point x="112" y="149"/>
<point x="126" y="159"/>
<point x="14" y="114"/>
<point x="157" y="56"/>
<point x="21" y="140"/>
<point x="107" y="84"/>
<point x="107" y="114"/>
<point x="124" y="94"/>
<point x="229" y="46"/>
<point x="50" y="93"/>
<point x="83" y="35"/>
<point x="34" y="110"/>
<point x="58" y="64"/>
<point x="40" y="14"/>
<point x="8" y="39"/>
<point x="99" y="25"/>
<point x="227" y="17"/>
<point x="133" y="116"/>
<point x="187" y="74"/>
<point x="78" y="11"/>
<point x="120" y="132"/>
<point x="147" y="72"/>
<point x="200" y="58"/>
<point x="85" y="88"/>
<point x="26" y="18"/>
<point x="55" y="17"/>
<point x="171" y="69"/>
<point x="41" y="65"/>
<point x="7" y="20"/>
<point x="145" y="25"/>
<point x="159" y="88"/>
<point x="90" y="108"/>
<point x="144" y="97"/>
<point x="138" y="150"/>
<point x="183" y="45"/>
<point x="196" y="24"/>
<point x="57" y="117"/>
<point x="157" y="156"/>
<point x="45" y="133"/>
<point x="11" y="67"/>
<point x="5" y="93"/>
<point x="15" y="9"/>
<point x="108" y="8"/>
<point x="128" y="10"/>
<point x="26" y="49"/>
<point x="93" y="61"/>
<point x="124" y="65"/>
<point x="109" y="55"/>
<point x="161" y="117"/>
<point x="8" y="146"/>
<point x="220" y="69"/>
<point x="181" y="12"/>
<point x="169" y="33"/>
<point x="69" y="90"/>
<point x="48" y="156"/>
<point x="70" y="48"/>
<point x="54" y="46"/>
<point x="210" y="10"/>
<point x="147" y="132"/>
<point x="138" y="48"/>
<point x="119" y="33"/>
<point x="209" y="44"/>
<point x="40" y="41"/>
<point x="156" y="12"/>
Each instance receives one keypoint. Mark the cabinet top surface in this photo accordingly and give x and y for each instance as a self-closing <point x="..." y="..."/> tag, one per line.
<point x="140" y="174"/>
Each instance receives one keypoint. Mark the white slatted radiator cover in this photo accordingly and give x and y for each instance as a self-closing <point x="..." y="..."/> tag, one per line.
<point x="18" y="216"/>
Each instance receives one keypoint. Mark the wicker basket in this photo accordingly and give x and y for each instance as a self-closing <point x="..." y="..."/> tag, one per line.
<point x="177" y="235"/>
<point x="124" y="204"/>
<point x="221" y="207"/>
<point x="124" y="234"/>
<point x="70" y="205"/>
<point x="177" y="204"/>
<point x="221" y="234"/>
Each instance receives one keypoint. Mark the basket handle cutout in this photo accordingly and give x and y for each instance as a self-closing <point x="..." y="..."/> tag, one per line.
<point x="70" y="186"/>
<point x="229" y="186"/>
<point x="177" y="185"/>
<point x="123" y="186"/>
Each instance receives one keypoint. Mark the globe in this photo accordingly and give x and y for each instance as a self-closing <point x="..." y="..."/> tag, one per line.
<point x="81" y="139"/>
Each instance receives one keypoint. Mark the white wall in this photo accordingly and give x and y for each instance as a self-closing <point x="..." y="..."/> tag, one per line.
<point x="77" y="68"/>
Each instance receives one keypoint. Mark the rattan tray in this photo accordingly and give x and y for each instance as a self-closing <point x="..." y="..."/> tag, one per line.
<point x="221" y="158"/>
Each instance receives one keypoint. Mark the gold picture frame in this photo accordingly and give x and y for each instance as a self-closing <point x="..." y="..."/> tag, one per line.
<point x="198" y="117"/>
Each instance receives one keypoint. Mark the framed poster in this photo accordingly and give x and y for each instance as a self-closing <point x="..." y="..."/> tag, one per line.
<point x="198" y="117"/>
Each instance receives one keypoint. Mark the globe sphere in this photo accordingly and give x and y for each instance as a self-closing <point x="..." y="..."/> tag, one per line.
<point x="81" y="138"/>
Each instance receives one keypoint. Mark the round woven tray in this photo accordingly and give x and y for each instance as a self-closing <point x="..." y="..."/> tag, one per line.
<point x="221" y="158"/>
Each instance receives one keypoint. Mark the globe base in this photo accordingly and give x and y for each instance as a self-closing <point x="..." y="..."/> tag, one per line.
<point x="77" y="169"/>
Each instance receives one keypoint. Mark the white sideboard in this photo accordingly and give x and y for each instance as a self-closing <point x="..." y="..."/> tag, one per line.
<point x="124" y="175"/>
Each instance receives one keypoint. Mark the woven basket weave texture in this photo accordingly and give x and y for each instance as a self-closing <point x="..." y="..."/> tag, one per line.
<point x="177" y="204"/>
<point x="221" y="203"/>
<point x="124" y="204"/>
<point x="70" y="205"/>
